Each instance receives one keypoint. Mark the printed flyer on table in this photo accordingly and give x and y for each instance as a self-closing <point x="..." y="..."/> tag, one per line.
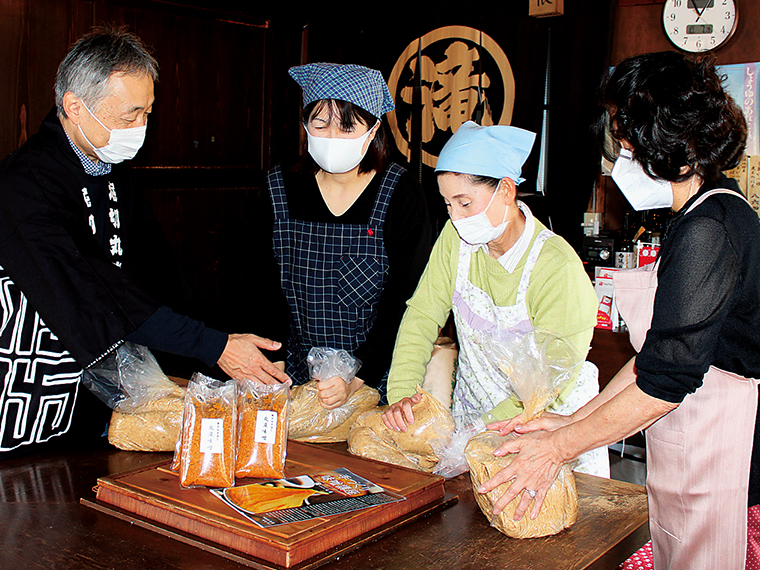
<point x="306" y="497"/>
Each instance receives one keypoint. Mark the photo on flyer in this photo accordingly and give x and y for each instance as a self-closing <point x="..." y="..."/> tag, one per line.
<point x="305" y="497"/>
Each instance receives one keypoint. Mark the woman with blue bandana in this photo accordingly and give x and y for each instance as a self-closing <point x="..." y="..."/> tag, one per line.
<point x="494" y="264"/>
<point x="350" y="231"/>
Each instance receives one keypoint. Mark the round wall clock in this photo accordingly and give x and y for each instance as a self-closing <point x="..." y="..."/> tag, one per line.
<point x="699" y="25"/>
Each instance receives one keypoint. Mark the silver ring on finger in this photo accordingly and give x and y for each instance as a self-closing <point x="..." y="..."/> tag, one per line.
<point x="531" y="493"/>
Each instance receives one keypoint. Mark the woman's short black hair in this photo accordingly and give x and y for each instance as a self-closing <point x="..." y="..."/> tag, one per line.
<point x="675" y="113"/>
<point x="348" y="115"/>
<point x="476" y="179"/>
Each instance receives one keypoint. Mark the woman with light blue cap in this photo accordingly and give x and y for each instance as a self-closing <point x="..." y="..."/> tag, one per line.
<point x="350" y="231"/>
<point x="494" y="265"/>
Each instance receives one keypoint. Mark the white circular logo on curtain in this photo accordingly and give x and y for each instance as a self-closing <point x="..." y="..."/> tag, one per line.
<point x="463" y="75"/>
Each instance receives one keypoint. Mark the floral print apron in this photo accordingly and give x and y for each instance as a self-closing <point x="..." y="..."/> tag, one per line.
<point x="478" y="387"/>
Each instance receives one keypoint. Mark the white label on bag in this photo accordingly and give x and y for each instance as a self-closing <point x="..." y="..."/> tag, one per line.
<point x="266" y="427"/>
<point x="212" y="435"/>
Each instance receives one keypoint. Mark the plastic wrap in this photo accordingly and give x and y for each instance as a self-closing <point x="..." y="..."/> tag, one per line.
<point x="128" y="378"/>
<point x="364" y="441"/>
<point x="560" y="508"/>
<point x="311" y="422"/>
<point x="451" y="450"/>
<point x="209" y="433"/>
<point x="370" y="438"/>
<point x="263" y="412"/>
<point x="325" y="363"/>
<point x="535" y="366"/>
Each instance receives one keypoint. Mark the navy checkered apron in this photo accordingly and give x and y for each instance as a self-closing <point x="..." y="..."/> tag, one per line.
<point x="332" y="274"/>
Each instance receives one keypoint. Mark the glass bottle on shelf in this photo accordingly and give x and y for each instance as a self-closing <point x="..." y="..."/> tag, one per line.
<point x="625" y="256"/>
<point x="655" y="225"/>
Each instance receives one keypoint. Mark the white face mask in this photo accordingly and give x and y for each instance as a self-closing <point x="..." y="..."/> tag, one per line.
<point x="123" y="144"/>
<point x="641" y="190"/>
<point x="337" y="155"/>
<point x="477" y="229"/>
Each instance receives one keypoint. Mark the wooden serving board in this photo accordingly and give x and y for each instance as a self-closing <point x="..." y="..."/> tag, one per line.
<point x="152" y="497"/>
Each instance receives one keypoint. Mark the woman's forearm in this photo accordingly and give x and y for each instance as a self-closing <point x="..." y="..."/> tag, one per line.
<point x="624" y="378"/>
<point x="628" y="411"/>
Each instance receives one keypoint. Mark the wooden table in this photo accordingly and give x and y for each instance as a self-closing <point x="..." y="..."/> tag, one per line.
<point x="44" y="526"/>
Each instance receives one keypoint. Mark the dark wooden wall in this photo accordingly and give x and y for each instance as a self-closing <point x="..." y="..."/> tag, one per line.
<point x="210" y="101"/>
<point x="638" y="29"/>
<point x="209" y="137"/>
<point x="226" y="109"/>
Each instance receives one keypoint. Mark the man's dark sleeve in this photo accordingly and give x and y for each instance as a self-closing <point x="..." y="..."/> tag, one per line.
<point x="171" y="332"/>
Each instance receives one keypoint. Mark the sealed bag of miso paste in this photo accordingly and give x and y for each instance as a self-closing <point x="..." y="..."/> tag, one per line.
<point x="262" y="429"/>
<point x="209" y="433"/>
<point x="413" y="448"/>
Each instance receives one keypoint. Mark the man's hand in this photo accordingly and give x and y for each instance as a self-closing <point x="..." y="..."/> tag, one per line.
<point x="334" y="392"/>
<point x="399" y="414"/>
<point x="243" y="359"/>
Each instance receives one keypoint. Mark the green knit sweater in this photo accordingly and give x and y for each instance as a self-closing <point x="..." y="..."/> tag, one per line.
<point x="560" y="299"/>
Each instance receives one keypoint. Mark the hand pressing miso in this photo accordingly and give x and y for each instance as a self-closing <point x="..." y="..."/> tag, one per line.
<point x="369" y="437"/>
<point x="560" y="508"/>
<point x="312" y="422"/>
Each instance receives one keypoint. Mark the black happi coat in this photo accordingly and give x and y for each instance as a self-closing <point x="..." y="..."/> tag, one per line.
<point x="63" y="302"/>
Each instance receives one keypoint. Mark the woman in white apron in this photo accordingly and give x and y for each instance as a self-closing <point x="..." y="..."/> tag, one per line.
<point x="693" y="318"/>
<point x="496" y="267"/>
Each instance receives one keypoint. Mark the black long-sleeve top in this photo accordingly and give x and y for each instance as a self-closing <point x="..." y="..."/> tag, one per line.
<point x="707" y="305"/>
<point x="407" y="239"/>
<point x="49" y="253"/>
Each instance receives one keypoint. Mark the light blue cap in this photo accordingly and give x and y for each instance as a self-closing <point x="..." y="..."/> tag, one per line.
<point x="359" y="85"/>
<point x="498" y="151"/>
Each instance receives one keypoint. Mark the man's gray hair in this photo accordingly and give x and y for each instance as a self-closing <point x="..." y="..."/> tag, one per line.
<point x="88" y="66"/>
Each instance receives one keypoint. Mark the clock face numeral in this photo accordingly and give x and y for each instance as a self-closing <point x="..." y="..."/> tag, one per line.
<point x="699" y="25"/>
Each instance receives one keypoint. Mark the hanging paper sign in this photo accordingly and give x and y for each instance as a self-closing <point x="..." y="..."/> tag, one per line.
<point x="543" y="8"/>
<point x="741" y="84"/>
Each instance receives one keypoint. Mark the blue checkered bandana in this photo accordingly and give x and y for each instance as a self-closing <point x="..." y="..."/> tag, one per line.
<point x="353" y="83"/>
<point x="498" y="151"/>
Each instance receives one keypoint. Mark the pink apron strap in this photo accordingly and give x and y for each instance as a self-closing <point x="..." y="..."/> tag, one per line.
<point x="634" y="295"/>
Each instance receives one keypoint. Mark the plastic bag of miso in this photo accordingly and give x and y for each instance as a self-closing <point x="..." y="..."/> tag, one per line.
<point x="263" y="412"/>
<point x="209" y="433"/>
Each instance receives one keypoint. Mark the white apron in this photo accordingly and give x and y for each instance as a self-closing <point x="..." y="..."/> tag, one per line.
<point x="478" y="387"/>
<point x="698" y="455"/>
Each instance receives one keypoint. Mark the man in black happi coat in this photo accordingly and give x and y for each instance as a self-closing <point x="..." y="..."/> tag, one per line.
<point x="84" y="264"/>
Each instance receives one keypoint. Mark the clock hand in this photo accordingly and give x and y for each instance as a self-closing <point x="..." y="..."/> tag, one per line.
<point x="704" y="7"/>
